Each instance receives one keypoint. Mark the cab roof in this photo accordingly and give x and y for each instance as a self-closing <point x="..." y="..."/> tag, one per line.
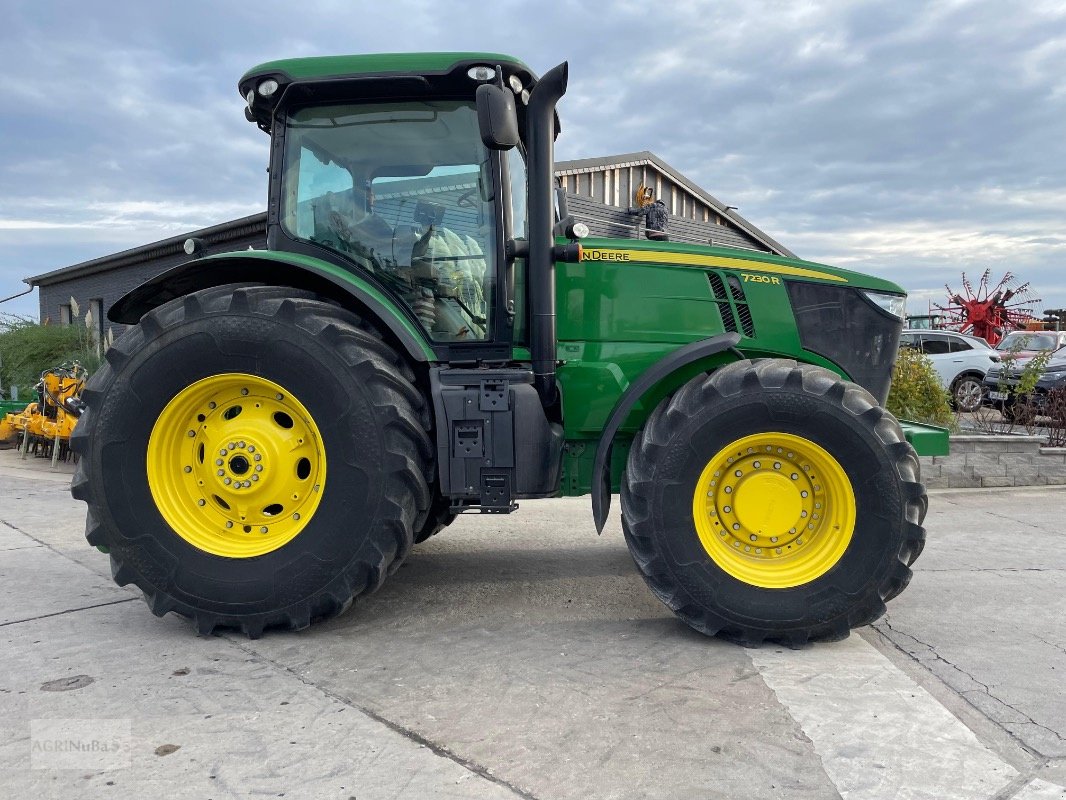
<point x="367" y="76"/>
<point x="354" y="66"/>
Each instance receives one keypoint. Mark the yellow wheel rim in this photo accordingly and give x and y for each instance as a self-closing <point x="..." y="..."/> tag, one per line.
<point x="774" y="510"/>
<point x="236" y="465"/>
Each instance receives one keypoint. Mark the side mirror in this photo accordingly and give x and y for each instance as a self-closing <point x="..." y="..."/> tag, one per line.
<point x="496" y="117"/>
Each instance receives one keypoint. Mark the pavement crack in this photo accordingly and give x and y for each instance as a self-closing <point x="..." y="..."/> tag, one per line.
<point x="1014" y="786"/>
<point x="1052" y="645"/>
<point x="41" y="542"/>
<point x="68" y="611"/>
<point x="995" y="569"/>
<point x="407" y="733"/>
<point x="984" y="688"/>
<point x="936" y="655"/>
<point x="1015" y="521"/>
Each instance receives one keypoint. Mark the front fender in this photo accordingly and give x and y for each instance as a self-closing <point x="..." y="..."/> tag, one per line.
<point x="682" y="357"/>
<point x="276" y="269"/>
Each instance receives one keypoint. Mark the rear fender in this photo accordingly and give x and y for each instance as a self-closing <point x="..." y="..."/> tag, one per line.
<point x="277" y="269"/>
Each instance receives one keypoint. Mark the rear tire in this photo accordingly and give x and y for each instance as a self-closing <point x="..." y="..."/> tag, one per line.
<point x="967" y="393"/>
<point x="706" y="569"/>
<point x="368" y="421"/>
<point x="440" y="516"/>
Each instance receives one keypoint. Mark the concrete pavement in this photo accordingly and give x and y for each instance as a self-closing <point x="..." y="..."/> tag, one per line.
<point x="524" y="657"/>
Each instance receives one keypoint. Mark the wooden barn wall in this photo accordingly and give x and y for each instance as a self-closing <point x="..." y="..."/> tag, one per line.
<point x="616" y="185"/>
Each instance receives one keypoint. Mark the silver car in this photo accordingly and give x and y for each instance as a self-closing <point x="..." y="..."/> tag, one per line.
<point x="961" y="361"/>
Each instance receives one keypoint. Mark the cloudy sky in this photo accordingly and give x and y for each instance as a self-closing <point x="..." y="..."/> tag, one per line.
<point x="915" y="140"/>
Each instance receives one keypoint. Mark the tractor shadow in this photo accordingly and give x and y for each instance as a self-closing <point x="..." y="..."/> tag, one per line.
<point x="463" y="577"/>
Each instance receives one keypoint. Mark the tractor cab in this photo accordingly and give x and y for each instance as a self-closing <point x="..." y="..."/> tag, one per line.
<point x="388" y="173"/>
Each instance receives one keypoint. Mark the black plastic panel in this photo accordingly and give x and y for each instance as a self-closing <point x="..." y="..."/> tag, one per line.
<point x="494" y="442"/>
<point x="839" y="323"/>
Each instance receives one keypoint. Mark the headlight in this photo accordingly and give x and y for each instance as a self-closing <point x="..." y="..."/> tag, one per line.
<point x="268" y="87"/>
<point x="894" y="304"/>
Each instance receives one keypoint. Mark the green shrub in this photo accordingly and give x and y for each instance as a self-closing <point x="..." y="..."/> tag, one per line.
<point x="916" y="393"/>
<point x="28" y="348"/>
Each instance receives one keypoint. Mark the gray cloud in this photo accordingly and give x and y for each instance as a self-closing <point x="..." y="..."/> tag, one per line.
<point x="910" y="139"/>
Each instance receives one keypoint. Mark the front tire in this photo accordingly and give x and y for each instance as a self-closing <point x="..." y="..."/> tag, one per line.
<point x="226" y="375"/>
<point x="773" y="500"/>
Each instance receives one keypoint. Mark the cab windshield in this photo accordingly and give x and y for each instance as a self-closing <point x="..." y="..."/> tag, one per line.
<point x="404" y="190"/>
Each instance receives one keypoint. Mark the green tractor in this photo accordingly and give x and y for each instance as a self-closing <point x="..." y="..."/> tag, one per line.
<point x="428" y="333"/>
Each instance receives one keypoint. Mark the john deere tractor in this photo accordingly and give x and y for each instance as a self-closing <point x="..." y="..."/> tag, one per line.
<point x="428" y="333"/>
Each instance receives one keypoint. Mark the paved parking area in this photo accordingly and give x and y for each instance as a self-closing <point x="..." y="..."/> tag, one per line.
<point x="524" y="657"/>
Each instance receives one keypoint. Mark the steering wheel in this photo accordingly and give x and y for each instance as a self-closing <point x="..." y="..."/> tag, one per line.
<point x="339" y="226"/>
<point x="464" y="200"/>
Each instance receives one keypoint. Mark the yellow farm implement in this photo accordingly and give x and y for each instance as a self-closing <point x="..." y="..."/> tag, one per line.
<point x="44" y="426"/>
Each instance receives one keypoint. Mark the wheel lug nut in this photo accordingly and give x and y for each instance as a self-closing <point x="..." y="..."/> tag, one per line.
<point x="258" y="457"/>
<point x="258" y="467"/>
<point x="240" y="444"/>
<point x="218" y="462"/>
<point x="232" y="445"/>
<point x="247" y="484"/>
<point x="212" y="404"/>
<point x="201" y="502"/>
<point x="221" y="472"/>
<point x="251" y="448"/>
<point x="296" y="515"/>
<point x="753" y="537"/>
<point x="244" y="392"/>
<point x="229" y="524"/>
<point x="255" y="477"/>
<point x="227" y="481"/>
<point x="192" y="434"/>
<point x="277" y="396"/>
<point x="188" y="470"/>
<point x="222" y="452"/>
<point x="264" y="529"/>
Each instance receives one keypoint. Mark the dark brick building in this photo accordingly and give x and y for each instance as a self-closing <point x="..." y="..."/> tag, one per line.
<point x="598" y="192"/>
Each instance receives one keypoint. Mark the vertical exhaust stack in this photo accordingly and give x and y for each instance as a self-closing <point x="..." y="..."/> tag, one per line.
<point x="540" y="151"/>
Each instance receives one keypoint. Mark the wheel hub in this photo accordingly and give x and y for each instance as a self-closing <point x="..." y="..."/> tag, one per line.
<point x="236" y="465"/>
<point x="774" y="510"/>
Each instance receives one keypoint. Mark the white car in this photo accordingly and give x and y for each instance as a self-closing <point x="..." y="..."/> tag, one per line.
<point x="961" y="361"/>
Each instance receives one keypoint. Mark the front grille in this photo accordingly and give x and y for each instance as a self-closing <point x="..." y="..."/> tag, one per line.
<point x="840" y="324"/>
<point x="732" y="303"/>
